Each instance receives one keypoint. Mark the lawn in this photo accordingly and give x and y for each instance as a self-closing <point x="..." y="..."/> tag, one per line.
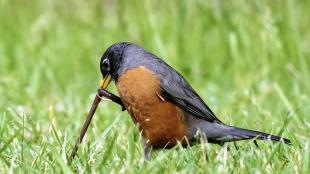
<point x="248" y="60"/>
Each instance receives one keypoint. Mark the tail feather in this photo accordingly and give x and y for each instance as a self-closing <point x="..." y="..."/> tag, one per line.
<point x="241" y="134"/>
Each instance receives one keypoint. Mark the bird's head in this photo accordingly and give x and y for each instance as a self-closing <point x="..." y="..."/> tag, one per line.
<point x="110" y="62"/>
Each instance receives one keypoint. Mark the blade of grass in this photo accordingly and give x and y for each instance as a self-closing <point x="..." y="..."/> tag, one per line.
<point x="10" y="140"/>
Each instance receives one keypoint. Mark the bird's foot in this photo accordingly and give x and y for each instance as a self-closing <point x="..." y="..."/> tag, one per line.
<point x="104" y="93"/>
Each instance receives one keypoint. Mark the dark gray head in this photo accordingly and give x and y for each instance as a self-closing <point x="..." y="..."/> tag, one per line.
<point x="112" y="58"/>
<point x="110" y="62"/>
<point x="117" y="58"/>
<point x="123" y="56"/>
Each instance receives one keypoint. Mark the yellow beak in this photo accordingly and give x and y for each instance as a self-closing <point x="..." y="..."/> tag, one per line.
<point x="105" y="81"/>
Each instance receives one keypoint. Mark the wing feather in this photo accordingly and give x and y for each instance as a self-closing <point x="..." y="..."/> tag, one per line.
<point x="175" y="88"/>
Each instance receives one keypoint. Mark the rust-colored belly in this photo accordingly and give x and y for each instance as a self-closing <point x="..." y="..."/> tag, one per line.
<point x="160" y="121"/>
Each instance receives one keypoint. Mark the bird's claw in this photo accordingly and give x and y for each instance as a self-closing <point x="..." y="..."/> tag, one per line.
<point x="104" y="93"/>
<point x="123" y="108"/>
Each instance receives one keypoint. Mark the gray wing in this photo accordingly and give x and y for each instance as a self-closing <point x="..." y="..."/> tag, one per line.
<point x="182" y="95"/>
<point x="176" y="89"/>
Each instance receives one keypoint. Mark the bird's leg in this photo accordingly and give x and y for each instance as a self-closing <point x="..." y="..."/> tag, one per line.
<point x="104" y="93"/>
<point x="147" y="150"/>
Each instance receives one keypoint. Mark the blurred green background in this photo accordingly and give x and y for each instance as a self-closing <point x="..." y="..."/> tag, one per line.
<point x="249" y="60"/>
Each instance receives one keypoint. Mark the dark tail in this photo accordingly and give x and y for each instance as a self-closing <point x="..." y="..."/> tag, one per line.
<point x="241" y="134"/>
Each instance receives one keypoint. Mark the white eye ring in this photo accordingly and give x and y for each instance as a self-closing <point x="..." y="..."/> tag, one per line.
<point x="106" y="64"/>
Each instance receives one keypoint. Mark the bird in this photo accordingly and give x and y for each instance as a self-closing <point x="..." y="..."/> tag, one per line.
<point x="163" y="105"/>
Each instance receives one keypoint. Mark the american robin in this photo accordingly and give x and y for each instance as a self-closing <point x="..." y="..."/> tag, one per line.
<point x="162" y="103"/>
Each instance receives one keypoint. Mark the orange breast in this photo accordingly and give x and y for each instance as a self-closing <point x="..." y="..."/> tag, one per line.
<point x="160" y="121"/>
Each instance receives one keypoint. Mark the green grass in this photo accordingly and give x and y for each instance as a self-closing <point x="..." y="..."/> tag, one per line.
<point x="249" y="60"/>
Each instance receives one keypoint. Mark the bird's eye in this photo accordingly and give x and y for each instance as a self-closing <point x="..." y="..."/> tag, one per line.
<point x="105" y="65"/>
